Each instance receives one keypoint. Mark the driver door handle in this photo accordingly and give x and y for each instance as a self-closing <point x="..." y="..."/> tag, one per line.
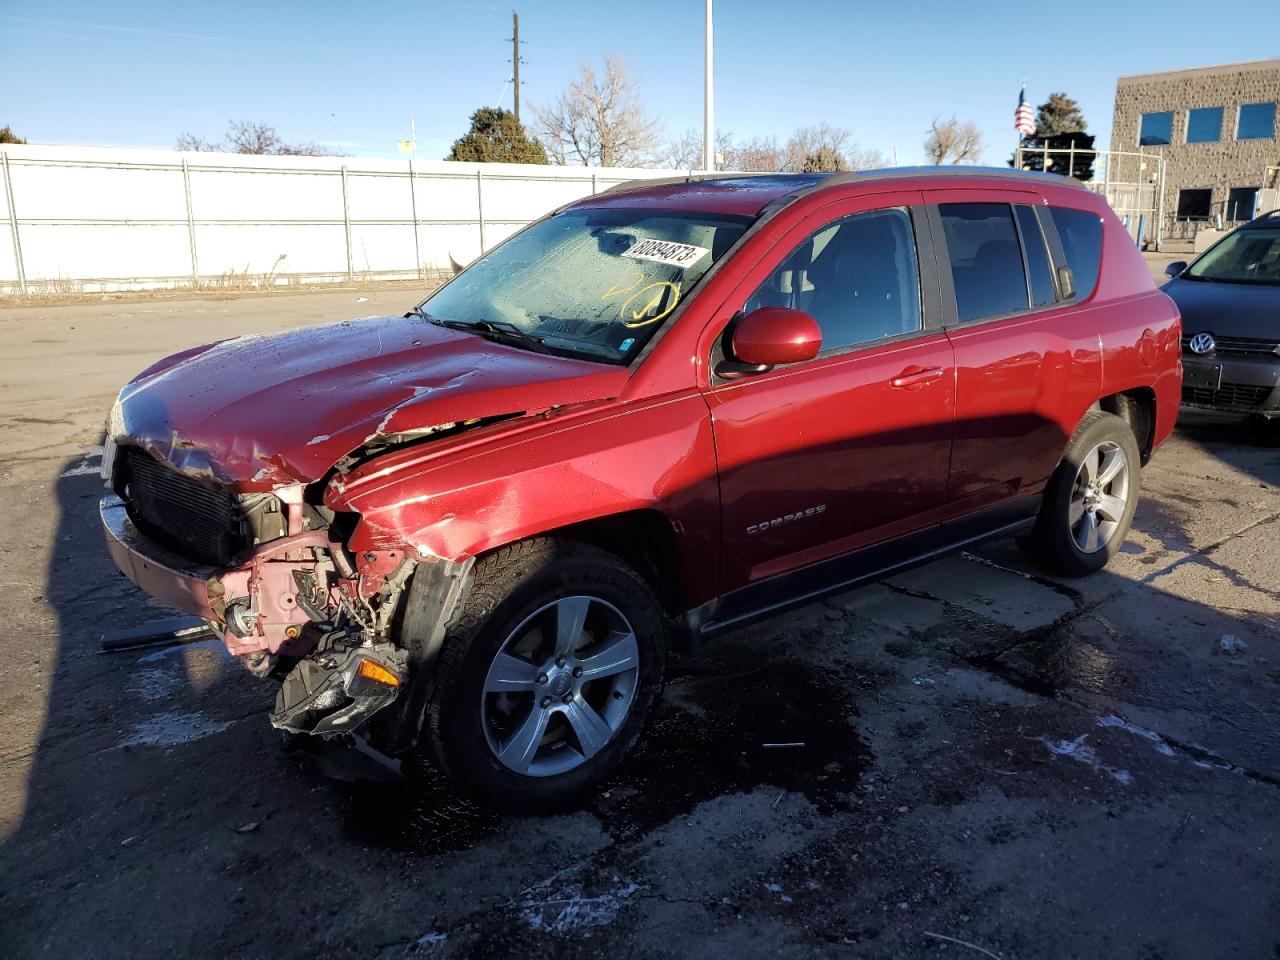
<point x="916" y="377"/>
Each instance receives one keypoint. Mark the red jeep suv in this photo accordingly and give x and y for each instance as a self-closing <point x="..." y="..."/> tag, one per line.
<point x="649" y="417"/>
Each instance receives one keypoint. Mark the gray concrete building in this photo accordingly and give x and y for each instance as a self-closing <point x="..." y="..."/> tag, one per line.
<point x="1218" y="132"/>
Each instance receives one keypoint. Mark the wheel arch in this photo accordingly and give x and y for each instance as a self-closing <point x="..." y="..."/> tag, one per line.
<point x="644" y="539"/>
<point x="1137" y="407"/>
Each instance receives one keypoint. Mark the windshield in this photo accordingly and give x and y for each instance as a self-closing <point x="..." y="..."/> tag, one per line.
<point x="592" y="283"/>
<point x="1250" y="255"/>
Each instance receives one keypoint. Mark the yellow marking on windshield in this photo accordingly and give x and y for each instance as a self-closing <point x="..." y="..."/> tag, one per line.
<point x="660" y="289"/>
<point x="623" y="286"/>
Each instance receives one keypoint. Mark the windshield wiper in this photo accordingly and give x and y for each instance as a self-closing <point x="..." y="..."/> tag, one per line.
<point x="497" y="330"/>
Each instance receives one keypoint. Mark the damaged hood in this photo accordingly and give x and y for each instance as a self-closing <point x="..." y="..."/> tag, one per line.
<point x="260" y="412"/>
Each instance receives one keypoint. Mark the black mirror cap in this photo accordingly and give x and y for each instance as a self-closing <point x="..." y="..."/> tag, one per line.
<point x="1175" y="268"/>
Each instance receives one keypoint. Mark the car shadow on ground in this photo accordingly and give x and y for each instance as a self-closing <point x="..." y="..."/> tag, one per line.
<point x="161" y="815"/>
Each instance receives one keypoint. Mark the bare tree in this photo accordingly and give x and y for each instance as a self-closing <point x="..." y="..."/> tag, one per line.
<point x="820" y="148"/>
<point x="243" y="136"/>
<point x="857" y="158"/>
<point x="685" y="152"/>
<point x="825" y="147"/>
<point x="949" y="141"/>
<point x="191" y="143"/>
<point x="599" y="120"/>
<point x="757" y="155"/>
<point x="809" y="142"/>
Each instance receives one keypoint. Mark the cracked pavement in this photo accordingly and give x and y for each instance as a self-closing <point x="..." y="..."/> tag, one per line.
<point x="968" y="757"/>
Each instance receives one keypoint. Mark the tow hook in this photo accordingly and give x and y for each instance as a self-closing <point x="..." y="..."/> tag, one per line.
<point x="339" y="686"/>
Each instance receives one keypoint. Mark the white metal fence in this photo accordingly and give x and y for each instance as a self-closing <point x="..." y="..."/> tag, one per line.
<point x="1132" y="183"/>
<point x="86" y="219"/>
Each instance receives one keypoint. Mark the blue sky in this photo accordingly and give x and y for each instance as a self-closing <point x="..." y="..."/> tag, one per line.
<point x="141" y="72"/>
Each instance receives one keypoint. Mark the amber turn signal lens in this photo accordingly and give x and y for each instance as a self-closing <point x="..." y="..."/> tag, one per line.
<point x="376" y="672"/>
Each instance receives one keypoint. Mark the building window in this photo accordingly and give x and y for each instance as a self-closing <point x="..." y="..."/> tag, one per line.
<point x="1257" y="121"/>
<point x="1156" y="130"/>
<point x="1204" y="125"/>
<point x="1195" y="204"/>
<point x="1242" y="203"/>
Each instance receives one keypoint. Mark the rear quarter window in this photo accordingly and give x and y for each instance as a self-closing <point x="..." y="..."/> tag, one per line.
<point x="1081" y="236"/>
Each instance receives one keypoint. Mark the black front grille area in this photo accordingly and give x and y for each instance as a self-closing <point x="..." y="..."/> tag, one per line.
<point x="1236" y="347"/>
<point x="178" y="513"/>
<point x="1230" y="396"/>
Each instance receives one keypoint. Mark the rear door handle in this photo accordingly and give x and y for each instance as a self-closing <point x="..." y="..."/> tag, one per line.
<point x="916" y="377"/>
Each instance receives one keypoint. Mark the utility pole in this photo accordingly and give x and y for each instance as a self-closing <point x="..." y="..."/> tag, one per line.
<point x="515" y="60"/>
<point x="708" y="108"/>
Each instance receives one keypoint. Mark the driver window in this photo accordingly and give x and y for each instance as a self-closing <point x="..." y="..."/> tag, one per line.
<point x="858" y="277"/>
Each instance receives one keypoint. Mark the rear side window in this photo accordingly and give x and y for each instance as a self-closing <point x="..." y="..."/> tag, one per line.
<point x="986" y="259"/>
<point x="1081" y="236"/>
<point x="1042" y="289"/>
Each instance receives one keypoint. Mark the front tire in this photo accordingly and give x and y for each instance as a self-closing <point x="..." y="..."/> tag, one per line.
<point x="543" y="685"/>
<point x="1090" y="500"/>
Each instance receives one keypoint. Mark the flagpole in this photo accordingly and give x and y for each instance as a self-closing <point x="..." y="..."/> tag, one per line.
<point x="1017" y="146"/>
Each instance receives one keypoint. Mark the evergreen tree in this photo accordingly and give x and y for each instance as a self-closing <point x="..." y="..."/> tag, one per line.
<point x="1060" y="126"/>
<point x="1058" y="115"/>
<point x="8" y="136"/>
<point x="496" y="136"/>
<point x="823" y="160"/>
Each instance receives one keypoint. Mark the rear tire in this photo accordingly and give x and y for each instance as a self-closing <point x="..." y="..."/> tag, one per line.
<point x="543" y="685"/>
<point x="1090" y="500"/>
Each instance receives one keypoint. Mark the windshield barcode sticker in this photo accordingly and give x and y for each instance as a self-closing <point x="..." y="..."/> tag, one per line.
<point x="680" y="255"/>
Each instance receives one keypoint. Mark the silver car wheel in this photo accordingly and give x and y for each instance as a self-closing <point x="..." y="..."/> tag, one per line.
<point x="560" y="686"/>
<point x="1099" y="496"/>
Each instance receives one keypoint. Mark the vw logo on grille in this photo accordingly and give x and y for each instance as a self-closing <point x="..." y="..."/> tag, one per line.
<point x="1202" y="343"/>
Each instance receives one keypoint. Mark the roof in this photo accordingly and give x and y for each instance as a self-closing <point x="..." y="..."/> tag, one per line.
<point x="749" y="194"/>
<point x="1222" y="69"/>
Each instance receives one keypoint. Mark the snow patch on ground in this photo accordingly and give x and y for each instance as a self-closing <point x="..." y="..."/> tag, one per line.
<point x="153" y="683"/>
<point x="1111" y="720"/>
<point x="167" y="729"/>
<point x="567" y="910"/>
<point x="82" y="470"/>
<point x="1081" y="752"/>
<point x="213" y="643"/>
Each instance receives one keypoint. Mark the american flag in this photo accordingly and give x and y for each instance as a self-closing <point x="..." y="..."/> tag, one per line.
<point x="1024" y="121"/>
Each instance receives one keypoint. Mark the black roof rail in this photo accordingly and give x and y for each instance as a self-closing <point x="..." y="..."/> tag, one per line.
<point x="891" y="173"/>
<point x="1266" y="216"/>
<point x="852" y="176"/>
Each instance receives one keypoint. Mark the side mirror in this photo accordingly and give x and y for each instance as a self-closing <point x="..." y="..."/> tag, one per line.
<point x="1175" y="268"/>
<point x="773" y="335"/>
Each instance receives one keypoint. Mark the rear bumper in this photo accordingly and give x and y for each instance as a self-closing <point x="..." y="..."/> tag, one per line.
<point x="1237" y="385"/>
<point x="172" y="580"/>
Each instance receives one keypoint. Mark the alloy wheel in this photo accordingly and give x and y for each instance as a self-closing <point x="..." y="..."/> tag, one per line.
<point x="560" y="686"/>
<point x="1099" y="496"/>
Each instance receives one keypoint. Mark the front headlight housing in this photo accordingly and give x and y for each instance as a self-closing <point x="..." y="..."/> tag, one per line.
<point x="115" y="427"/>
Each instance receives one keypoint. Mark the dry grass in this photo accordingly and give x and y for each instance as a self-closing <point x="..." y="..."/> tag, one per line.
<point x="229" y="285"/>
